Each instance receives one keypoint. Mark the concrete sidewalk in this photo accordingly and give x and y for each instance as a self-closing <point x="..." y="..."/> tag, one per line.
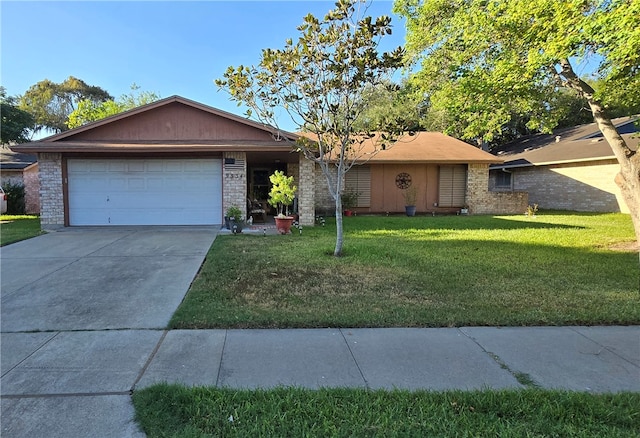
<point x="597" y="359"/>
<point x="78" y="383"/>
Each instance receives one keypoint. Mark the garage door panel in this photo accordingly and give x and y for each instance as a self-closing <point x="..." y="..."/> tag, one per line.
<point x="136" y="166"/>
<point x="89" y="167"/>
<point x="153" y="166"/>
<point x="145" y="192"/>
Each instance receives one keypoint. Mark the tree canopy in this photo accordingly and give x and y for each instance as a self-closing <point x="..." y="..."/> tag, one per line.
<point x="318" y="81"/>
<point x="390" y="102"/>
<point x="16" y="123"/>
<point x="487" y="60"/>
<point x="90" y="110"/>
<point x="51" y="103"/>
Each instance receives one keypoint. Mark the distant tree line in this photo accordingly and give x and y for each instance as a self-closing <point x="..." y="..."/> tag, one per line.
<point x="57" y="107"/>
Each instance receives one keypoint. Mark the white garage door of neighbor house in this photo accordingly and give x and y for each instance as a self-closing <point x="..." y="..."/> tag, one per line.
<point x="145" y="191"/>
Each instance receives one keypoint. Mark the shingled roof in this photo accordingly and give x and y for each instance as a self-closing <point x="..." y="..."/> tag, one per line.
<point x="421" y="147"/>
<point x="576" y="144"/>
<point x="10" y="160"/>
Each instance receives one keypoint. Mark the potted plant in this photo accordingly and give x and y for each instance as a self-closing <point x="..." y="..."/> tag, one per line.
<point x="233" y="219"/>
<point x="281" y="196"/>
<point x="410" y="194"/>
<point x="349" y="201"/>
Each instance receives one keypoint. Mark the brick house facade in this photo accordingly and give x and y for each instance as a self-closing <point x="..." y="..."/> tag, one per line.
<point x="570" y="169"/>
<point x="178" y="162"/>
<point x="21" y="169"/>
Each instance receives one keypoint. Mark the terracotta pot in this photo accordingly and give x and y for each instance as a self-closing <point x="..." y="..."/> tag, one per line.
<point x="283" y="224"/>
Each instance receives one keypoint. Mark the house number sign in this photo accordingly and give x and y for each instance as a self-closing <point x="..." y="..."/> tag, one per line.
<point x="403" y="180"/>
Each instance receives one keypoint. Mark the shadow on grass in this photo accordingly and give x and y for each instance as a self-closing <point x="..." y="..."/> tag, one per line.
<point x="388" y="223"/>
<point x="424" y="278"/>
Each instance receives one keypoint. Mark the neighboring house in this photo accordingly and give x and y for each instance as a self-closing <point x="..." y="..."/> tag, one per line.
<point x="571" y="169"/>
<point x="21" y="169"/>
<point x="179" y="162"/>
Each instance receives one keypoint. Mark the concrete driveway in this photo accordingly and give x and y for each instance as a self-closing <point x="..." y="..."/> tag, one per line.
<point x="99" y="278"/>
<point x="82" y="312"/>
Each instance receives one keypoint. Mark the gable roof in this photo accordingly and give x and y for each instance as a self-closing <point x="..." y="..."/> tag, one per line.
<point x="164" y="126"/>
<point x="569" y="145"/>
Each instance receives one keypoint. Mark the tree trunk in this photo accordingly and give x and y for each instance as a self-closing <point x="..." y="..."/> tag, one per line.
<point x="337" y="252"/>
<point x="629" y="177"/>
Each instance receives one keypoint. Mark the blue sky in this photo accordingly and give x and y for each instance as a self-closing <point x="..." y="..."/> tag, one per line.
<point x="168" y="47"/>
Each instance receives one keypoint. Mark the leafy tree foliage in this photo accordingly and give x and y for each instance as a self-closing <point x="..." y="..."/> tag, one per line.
<point x="15" y="124"/>
<point x="90" y="110"/>
<point x="389" y="103"/>
<point x="51" y="103"/>
<point x="318" y="81"/>
<point x="484" y="61"/>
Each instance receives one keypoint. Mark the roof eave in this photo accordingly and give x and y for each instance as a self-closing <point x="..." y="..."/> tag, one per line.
<point x="66" y="148"/>
<point x="430" y="161"/>
<point x="506" y="165"/>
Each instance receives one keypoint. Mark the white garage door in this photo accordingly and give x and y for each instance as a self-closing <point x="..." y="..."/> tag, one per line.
<point x="145" y="192"/>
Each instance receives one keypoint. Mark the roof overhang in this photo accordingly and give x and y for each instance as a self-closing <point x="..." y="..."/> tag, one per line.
<point x="524" y="163"/>
<point x="150" y="147"/>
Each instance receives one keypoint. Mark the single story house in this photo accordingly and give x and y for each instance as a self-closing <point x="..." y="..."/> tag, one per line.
<point x="21" y="169"/>
<point x="447" y="174"/>
<point x="570" y="169"/>
<point x="179" y="162"/>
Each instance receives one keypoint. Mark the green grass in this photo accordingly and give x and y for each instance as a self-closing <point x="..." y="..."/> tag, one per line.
<point x="556" y="269"/>
<point x="175" y="411"/>
<point x="16" y="228"/>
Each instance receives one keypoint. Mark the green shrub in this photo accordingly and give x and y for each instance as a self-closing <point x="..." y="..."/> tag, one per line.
<point x="15" y="197"/>
<point x="234" y="212"/>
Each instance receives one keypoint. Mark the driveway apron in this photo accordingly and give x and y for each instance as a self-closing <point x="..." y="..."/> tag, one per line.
<point x="99" y="278"/>
<point x="82" y="312"/>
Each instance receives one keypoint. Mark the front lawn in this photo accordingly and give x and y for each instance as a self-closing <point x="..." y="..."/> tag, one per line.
<point x="16" y="228"/>
<point x="555" y="269"/>
<point x="171" y="410"/>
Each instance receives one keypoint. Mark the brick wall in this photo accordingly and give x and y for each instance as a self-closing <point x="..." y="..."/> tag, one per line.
<point x="576" y="186"/>
<point x="29" y="179"/>
<point x="483" y="201"/>
<point x="234" y="182"/>
<point x="306" y="191"/>
<point x="324" y="203"/>
<point x="32" y="190"/>
<point x="51" y="191"/>
<point x="12" y="177"/>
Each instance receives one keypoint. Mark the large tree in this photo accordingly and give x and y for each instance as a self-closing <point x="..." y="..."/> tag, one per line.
<point x="401" y="103"/>
<point x="318" y="80"/>
<point x="51" y="103"/>
<point x="489" y="57"/>
<point x="16" y="123"/>
<point x="90" y="110"/>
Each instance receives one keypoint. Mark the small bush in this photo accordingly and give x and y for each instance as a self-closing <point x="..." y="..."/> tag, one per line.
<point x="15" y="197"/>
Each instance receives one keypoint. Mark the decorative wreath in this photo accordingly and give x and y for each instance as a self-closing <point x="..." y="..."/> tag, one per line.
<point x="403" y="180"/>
